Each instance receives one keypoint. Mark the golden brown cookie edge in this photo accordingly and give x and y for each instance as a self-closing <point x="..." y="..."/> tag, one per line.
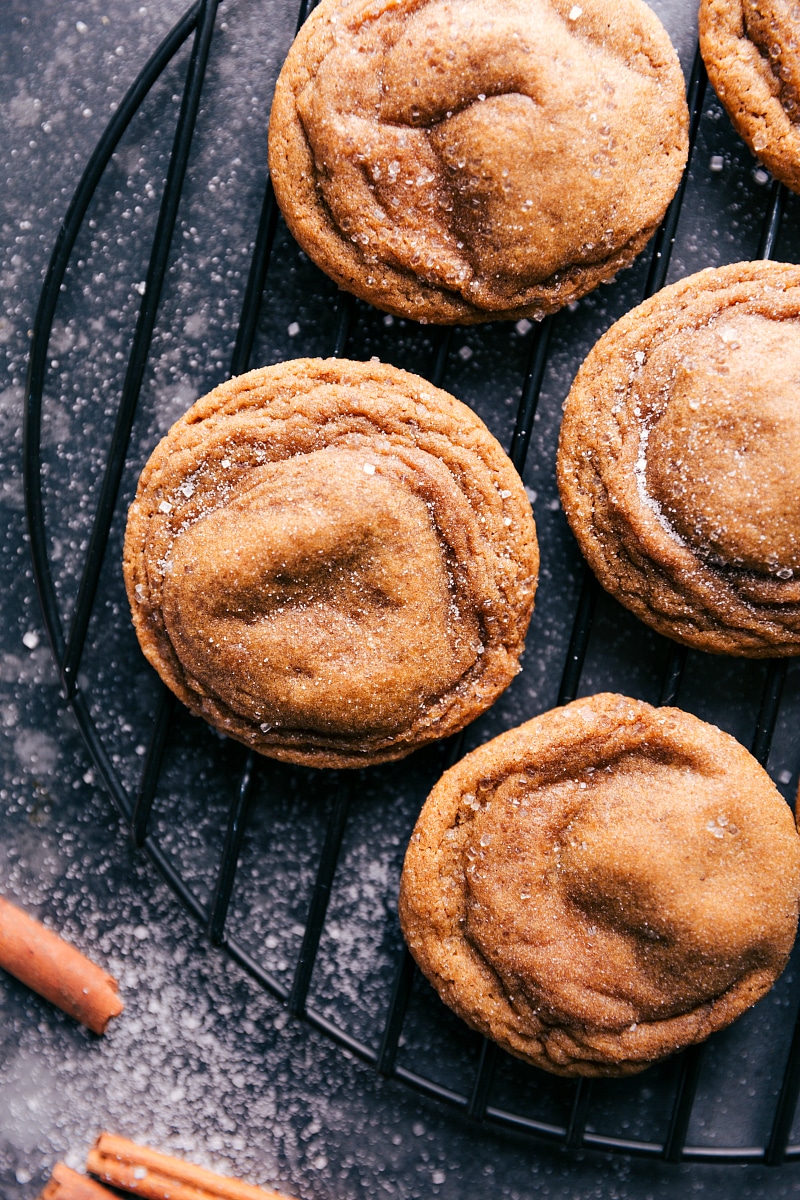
<point x="741" y="84"/>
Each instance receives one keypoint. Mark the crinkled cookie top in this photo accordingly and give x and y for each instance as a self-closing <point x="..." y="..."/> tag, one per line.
<point x="462" y="161"/>
<point x="603" y="885"/>
<point x="334" y="562"/>
<point x="680" y="454"/>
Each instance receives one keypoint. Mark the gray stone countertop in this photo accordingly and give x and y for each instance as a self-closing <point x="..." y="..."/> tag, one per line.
<point x="204" y="1063"/>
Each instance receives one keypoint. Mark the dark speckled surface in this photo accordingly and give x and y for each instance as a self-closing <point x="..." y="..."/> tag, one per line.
<point x="203" y="1062"/>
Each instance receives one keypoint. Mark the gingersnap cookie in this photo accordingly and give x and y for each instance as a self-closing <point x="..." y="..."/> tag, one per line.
<point x="332" y="562"/>
<point x="679" y="460"/>
<point x="602" y="886"/>
<point x="463" y="161"/>
<point x="752" y="56"/>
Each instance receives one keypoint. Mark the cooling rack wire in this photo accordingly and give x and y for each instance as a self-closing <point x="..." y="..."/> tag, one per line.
<point x="136" y="806"/>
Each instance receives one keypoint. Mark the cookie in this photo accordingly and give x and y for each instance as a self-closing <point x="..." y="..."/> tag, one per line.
<point x="454" y="161"/>
<point x="679" y="458"/>
<point x="602" y="886"/>
<point x="752" y="57"/>
<point x="332" y="562"/>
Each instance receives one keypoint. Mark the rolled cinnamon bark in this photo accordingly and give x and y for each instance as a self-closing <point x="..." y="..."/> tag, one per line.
<point x="145" y="1172"/>
<point x="50" y="966"/>
<point x="66" y="1184"/>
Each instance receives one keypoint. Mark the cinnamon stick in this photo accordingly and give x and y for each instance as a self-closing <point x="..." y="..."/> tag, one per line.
<point x="66" y="1184"/>
<point x="145" y="1172"/>
<point x="50" y="966"/>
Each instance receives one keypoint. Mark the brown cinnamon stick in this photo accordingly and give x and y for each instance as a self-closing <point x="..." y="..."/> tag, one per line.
<point x="50" y="966"/>
<point x="138" y="1169"/>
<point x="66" y="1184"/>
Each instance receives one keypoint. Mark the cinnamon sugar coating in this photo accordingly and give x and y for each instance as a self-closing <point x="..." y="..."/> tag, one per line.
<point x="752" y="55"/>
<point x="332" y="562"/>
<point x="457" y="161"/>
<point x="602" y="886"/>
<point x="679" y="459"/>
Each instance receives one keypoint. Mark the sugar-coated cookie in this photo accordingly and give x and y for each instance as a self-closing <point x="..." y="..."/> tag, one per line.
<point x="457" y="161"/>
<point x="679" y="459"/>
<point x="333" y="562"/>
<point x="752" y="56"/>
<point x="602" y="886"/>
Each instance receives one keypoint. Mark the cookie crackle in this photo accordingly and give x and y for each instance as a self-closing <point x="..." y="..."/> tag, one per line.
<point x="332" y="562"/>
<point x="458" y="162"/>
<point x="602" y="886"/>
<point x="680" y="455"/>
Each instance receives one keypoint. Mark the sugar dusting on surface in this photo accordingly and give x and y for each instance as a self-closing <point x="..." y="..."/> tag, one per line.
<point x="203" y="1063"/>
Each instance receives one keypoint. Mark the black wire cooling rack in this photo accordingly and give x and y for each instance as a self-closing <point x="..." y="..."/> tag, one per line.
<point x="488" y="1085"/>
